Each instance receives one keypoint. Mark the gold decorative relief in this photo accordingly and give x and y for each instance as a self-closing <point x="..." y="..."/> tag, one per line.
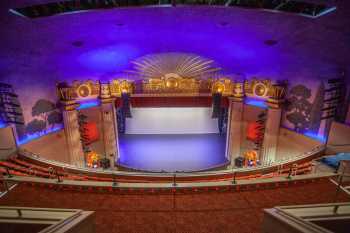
<point x="257" y="88"/>
<point x="223" y="85"/>
<point x="105" y="92"/>
<point x="181" y="64"/>
<point x="238" y="90"/>
<point x="276" y="95"/>
<point x="86" y="90"/>
<point x="117" y="87"/>
<point x="65" y="92"/>
<point x="170" y="83"/>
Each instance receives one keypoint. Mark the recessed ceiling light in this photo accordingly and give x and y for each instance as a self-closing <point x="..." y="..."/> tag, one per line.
<point x="270" y="42"/>
<point x="223" y="24"/>
<point x="78" y="43"/>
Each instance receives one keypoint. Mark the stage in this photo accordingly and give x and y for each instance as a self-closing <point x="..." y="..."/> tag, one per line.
<point x="172" y="152"/>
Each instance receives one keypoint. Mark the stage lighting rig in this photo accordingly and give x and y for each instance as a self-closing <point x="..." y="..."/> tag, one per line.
<point x="10" y="109"/>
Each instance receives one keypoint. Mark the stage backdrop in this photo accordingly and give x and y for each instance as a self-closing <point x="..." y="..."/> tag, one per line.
<point x="171" y="121"/>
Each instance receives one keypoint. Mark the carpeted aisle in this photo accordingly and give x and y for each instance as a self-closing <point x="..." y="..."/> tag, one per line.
<point x="211" y="211"/>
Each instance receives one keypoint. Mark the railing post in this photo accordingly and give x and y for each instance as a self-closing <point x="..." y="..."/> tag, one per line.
<point x="290" y="173"/>
<point x="234" y="178"/>
<point x="19" y="212"/>
<point x="174" y="180"/>
<point x="58" y="177"/>
<point x="8" y="173"/>
<point x="6" y="186"/>
<point x="114" y="184"/>
<point x="340" y="181"/>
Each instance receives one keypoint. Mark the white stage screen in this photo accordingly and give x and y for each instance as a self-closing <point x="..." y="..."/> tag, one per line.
<point x="171" y="121"/>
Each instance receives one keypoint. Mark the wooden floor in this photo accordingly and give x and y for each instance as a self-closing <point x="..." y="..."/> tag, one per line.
<point x="209" y="211"/>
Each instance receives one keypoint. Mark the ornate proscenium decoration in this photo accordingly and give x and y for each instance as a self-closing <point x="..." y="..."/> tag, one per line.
<point x="238" y="91"/>
<point x="223" y="86"/>
<point x="65" y="92"/>
<point x="174" y="73"/>
<point x="276" y="95"/>
<point x="257" y="88"/>
<point x="171" y="83"/>
<point x="105" y="93"/>
<point x="117" y="87"/>
<point x="86" y="90"/>
<point x="183" y="64"/>
<point x="66" y="95"/>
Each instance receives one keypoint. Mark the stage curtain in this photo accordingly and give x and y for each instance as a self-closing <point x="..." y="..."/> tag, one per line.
<point x="155" y="102"/>
<point x="91" y="132"/>
<point x="253" y="131"/>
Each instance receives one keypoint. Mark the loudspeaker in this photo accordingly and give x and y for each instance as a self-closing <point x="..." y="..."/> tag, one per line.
<point x="104" y="163"/>
<point x="239" y="161"/>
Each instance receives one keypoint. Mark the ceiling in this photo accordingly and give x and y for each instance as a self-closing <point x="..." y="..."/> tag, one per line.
<point x="100" y="44"/>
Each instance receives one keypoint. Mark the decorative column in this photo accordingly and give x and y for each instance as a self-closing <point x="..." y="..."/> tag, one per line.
<point x="235" y="124"/>
<point x="109" y="124"/>
<point x="71" y="127"/>
<point x="272" y="125"/>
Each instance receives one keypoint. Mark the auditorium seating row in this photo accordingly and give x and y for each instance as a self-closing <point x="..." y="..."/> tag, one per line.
<point x="285" y="183"/>
<point x="20" y="167"/>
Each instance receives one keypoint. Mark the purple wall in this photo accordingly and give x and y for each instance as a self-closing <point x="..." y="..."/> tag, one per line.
<point x="35" y="54"/>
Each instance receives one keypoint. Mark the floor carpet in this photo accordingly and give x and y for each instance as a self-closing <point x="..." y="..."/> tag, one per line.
<point x="213" y="211"/>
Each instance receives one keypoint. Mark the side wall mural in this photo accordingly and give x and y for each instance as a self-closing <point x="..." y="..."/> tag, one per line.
<point x="303" y="108"/>
<point x="37" y="100"/>
<point x="45" y="116"/>
<point x="301" y="113"/>
<point x="30" y="110"/>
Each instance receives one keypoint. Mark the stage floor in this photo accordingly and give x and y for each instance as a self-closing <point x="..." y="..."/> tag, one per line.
<point x="170" y="153"/>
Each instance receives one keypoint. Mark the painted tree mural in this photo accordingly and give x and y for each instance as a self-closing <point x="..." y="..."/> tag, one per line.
<point x="45" y="115"/>
<point x="54" y="118"/>
<point x="42" y="108"/>
<point x="35" y="126"/>
<point x="299" y="108"/>
<point x="316" y="114"/>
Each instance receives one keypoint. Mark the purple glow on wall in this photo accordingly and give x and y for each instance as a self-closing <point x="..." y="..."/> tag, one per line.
<point x="315" y="136"/>
<point x="41" y="52"/>
<point x="255" y="102"/>
<point x="31" y="137"/>
<point x="2" y="124"/>
<point x="88" y="104"/>
<point x="108" y="59"/>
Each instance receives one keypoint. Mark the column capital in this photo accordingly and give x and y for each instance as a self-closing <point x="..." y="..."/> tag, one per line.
<point x="68" y="105"/>
<point x="235" y="99"/>
<point x="105" y="94"/>
<point x="237" y="92"/>
<point x="107" y="100"/>
<point x="276" y="96"/>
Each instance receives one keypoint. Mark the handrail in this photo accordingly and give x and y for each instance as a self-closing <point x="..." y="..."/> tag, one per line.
<point x="21" y="210"/>
<point x="36" y="157"/>
<point x="58" y="222"/>
<point x="166" y="185"/>
<point x="306" y="220"/>
<point x="311" y="227"/>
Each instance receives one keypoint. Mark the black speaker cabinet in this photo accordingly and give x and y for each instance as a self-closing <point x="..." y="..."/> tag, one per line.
<point x="104" y="163"/>
<point x="239" y="161"/>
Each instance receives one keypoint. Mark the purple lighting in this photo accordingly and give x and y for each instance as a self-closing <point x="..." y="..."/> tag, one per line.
<point x="170" y="153"/>
<point x="108" y="59"/>
<point x="31" y="137"/>
<point x="256" y="102"/>
<point x="2" y="125"/>
<point x="315" y="136"/>
<point x="88" y="104"/>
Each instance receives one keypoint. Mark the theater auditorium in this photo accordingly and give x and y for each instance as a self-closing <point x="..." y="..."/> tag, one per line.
<point x="175" y="116"/>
